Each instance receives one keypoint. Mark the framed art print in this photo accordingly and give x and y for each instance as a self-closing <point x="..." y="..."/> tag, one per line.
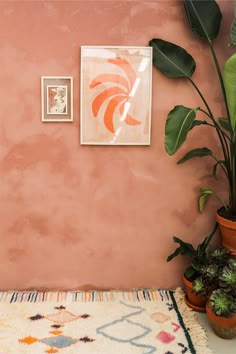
<point x="57" y="98"/>
<point x="116" y="91"/>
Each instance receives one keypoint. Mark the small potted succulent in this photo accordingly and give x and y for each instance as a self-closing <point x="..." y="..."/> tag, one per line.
<point x="217" y="281"/>
<point x="199" y="259"/>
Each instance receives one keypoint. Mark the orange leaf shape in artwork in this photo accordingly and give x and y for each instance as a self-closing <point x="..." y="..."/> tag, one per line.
<point x="117" y="95"/>
<point x="102" y="97"/>
<point x="126" y="67"/>
<point x="128" y="119"/>
<point x="109" y="113"/>
<point x="100" y="79"/>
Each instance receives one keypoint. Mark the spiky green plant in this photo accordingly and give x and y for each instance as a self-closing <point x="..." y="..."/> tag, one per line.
<point x="198" y="255"/>
<point x="217" y="280"/>
<point x="222" y="303"/>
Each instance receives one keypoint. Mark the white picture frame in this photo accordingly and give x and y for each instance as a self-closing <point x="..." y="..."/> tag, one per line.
<point x="115" y="95"/>
<point x="57" y="98"/>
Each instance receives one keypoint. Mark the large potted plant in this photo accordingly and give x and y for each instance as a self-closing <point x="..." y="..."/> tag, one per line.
<point x="204" y="18"/>
<point x="199" y="259"/>
<point x="217" y="281"/>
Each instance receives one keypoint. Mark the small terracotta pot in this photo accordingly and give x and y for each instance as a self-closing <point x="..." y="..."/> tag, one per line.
<point x="222" y="326"/>
<point x="196" y="302"/>
<point x="228" y="233"/>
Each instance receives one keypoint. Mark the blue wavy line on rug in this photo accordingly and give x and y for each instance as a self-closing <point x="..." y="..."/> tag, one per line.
<point x="132" y="341"/>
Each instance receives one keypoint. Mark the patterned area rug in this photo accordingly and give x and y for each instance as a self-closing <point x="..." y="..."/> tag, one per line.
<point x="132" y="322"/>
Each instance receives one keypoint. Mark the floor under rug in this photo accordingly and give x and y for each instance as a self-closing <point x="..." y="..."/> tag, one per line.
<point x="131" y="322"/>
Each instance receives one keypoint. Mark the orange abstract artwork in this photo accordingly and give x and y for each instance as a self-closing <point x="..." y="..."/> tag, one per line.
<point x="116" y="95"/>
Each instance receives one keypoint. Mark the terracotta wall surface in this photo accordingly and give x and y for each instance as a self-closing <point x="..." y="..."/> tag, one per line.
<point x="82" y="217"/>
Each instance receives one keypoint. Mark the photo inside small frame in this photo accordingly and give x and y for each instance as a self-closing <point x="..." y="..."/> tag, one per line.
<point x="57" y="95"/>
<point x="57" y="99"/>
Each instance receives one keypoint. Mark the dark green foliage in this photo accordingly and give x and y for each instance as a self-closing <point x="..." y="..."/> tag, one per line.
<point x="201" y="23"/>
<point x="172" y="60"/>
<point x="217" y="280"/>
<point x="204" y="19"/>
<point x="198" y="255"/>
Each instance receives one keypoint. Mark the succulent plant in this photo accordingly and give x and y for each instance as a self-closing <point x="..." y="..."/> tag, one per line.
<point x="222" y="303"/>
<point x="217" y="281"/>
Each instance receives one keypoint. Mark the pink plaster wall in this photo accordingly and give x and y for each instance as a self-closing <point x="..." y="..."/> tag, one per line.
<point x="83" y="217"/>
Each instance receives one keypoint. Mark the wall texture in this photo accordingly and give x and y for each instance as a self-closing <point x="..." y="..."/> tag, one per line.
<point x="79" y="217"/>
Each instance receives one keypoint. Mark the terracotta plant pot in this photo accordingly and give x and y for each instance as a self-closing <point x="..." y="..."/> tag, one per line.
<point x="196" y="302"/>
<point x="222" y="326"/>
<point x="228" y="233"/>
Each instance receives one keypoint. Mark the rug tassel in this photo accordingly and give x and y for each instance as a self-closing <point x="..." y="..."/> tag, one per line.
<point x="196" y="331"/>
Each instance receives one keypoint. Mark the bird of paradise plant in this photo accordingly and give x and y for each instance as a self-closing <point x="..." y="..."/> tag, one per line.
<point x="204" y="18"/>
<point x="118" y="94"/>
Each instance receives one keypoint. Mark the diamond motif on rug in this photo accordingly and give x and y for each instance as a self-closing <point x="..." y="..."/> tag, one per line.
<point x="59" y="341"/>
<point x="135" y="322"/>
<point x="56" y="332"/>
<point x="160" y="317"/>
<point x="165" y="337"/>
<point x="124" y="331"/>
<point x="28" y="340"/>
<point x="62" y="317"/>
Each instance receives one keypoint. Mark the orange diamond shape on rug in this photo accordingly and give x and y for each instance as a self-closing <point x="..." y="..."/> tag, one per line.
<point x="160" y="317"/>
<point x="54" y="332"/>
<point x="28" y="340"/>
<point x="62" y="317"/>
<point x="51" y="350"/>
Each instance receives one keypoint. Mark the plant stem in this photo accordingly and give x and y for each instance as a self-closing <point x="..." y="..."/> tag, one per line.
<point x="233" y="196"/>
<point x="212" y="125"/>
<point x="203" y="99"/>
<point x="231" y="167"/>
<point x="218" y="129"/>
<point x="219" y="76"/>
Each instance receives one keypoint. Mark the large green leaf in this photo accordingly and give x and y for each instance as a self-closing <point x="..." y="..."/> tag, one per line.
<point x="172" y="60"/>
<point x="204" y="17"/>
<point x="178" y="124"/>
<point x="199" y="152"/>
<point x="229" y="77"/>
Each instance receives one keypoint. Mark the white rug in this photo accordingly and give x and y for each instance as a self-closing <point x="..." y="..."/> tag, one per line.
<point x="133" y="322"/>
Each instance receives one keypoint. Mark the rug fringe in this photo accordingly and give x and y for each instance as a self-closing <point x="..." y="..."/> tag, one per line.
<point x="196" y="331"/>
<point x="135" y="295"/>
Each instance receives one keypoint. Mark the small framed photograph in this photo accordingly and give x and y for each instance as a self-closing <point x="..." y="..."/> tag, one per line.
<point x="116" y="92"/>
<point x="57" y="98"/>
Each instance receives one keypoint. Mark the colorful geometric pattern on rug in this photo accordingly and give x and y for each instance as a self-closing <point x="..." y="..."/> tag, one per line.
<point x="131" y="322"/>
